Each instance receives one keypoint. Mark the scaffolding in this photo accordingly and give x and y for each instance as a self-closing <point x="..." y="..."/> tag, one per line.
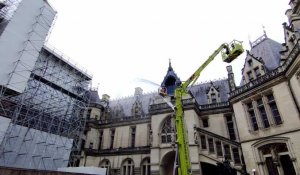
<point x="41" y="123"/>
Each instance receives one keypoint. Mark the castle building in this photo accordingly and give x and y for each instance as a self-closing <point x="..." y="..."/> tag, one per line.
<point x="255" y="126"/>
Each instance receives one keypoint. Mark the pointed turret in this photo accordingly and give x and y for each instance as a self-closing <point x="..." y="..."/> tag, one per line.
<point x="171" y="80"/>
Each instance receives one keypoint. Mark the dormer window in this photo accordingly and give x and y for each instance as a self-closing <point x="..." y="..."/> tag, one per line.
<point x="250" y="62"/>
<point x="213" y="95"/>
<point x="213" y="98"/>
<point x="250" y="75"/>
<point x="257" y="72"/>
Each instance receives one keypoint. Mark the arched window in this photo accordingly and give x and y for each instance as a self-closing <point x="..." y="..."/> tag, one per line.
<point x="127" y="167"/>
<point x="277" y="158"/>
<point x="105" y="164"/>
<point x="145" y="167"/>
<point x="167" y="130"/>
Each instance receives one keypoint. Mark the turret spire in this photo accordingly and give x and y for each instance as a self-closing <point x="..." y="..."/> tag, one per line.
<point x="170" y="65"/>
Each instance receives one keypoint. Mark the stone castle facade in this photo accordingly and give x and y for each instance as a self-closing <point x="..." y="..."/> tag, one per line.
<point x="254" y="125"/>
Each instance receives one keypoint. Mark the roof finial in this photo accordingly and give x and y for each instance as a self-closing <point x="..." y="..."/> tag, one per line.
<point x="170" y="66"/>
<point x="249" y="38"/>
<point x="264" y="30"/>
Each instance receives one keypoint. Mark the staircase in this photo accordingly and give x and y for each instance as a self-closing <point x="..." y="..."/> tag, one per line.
<point x="215" y="148"/>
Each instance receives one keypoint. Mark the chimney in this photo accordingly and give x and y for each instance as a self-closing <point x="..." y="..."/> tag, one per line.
<point x="138" y="91"/>
<point x="231" y="81"/>
<point x="105" y="97"/>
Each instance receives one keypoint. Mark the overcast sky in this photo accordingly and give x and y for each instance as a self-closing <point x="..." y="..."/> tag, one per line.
<point x="122" y="41"/>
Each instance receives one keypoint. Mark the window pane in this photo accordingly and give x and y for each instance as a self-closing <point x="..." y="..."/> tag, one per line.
<point x="203" y="142"/>
<point x="219" y="149"/>
<point x="167" y="131"/>
<point x="274" y="109"/>
<point x="211" y="147"/>
<point x="253" y="120"/>
<point x="230" y="127"/>
<point x="263" y="113"/>
<point x="227" y="152"/>
<point x="205" y="122"/>
<point x="236" y="156"/>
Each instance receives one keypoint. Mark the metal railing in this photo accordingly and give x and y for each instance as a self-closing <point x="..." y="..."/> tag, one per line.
<point x="214" y="105"/>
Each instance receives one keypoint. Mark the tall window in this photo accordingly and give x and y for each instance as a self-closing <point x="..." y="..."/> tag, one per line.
<point x="262" y="113"/>
<point x="205" y="122"/>
<point x="127" y="167"/>
<point x="250" y="75"/>
<point x="219" y="149"/>
<point x="277" y="159"/>
<point x="132" y="136"/>
<point x="230" y="127"/>
<point x="145" y="167"/>
<point x="213" y="98"/>
<point x="227" y="153"/>
<point x="236" y="156"/>
<point x="252" y="116"/>
<point x="257" y="72"/>
<point x="105" y="164"/>
<point x="203" y="142"/>
<point x="274" y="109"/>
<point x="211" y="147"/>
<point x="112" y="138"/>
<point x="100" y="139"/>
<point x="167" y="131"/>
<point x="149" y="130"/>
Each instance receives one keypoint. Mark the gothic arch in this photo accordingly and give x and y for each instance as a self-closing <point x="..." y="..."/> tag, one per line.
<point x="274" y="155"/>
<point x="167" y="163"/>
<point x="127" y="167"/>
<point x="105" y="163"/>
<point x="145" y="166"/>
<point x="167" y="130"/>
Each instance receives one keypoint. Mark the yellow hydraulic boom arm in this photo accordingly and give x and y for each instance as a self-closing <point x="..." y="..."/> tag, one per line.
<point x="230" y="52"/>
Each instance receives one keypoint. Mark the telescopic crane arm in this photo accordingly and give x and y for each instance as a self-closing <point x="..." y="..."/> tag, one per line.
<point x="229" y="53"/>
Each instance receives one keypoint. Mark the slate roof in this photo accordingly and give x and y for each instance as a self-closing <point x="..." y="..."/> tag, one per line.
<point x="93" y="96"/>
<point x="199" y="91"/>
<point x="170" y="73"/>
<point x="126" y="104"/>
<point x="265" y="50"/>
<point x="268" y="50"/>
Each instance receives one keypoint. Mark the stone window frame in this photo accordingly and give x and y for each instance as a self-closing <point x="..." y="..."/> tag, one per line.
<point x="250" y="75"/>
<point x="259" y="158"/>
<point x="132" y="136"/>
<point x="125" y="170"/>
<point x="248" y="118"/>
<point x="257" y="72"/>
<point x="258" y="107"/>
<point x="101" y="139"/>
<point x="146" y="163"/>
<point x="232" y="135"/>
<point x="105" y="163"/>
<point x="215" y="92"/>
<point x="211" y="145"/>
<point x="205" y="122"/>
<point x="165" y="128"/>
<point x="112" y="138"/>
<point x="253" y="100"/>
